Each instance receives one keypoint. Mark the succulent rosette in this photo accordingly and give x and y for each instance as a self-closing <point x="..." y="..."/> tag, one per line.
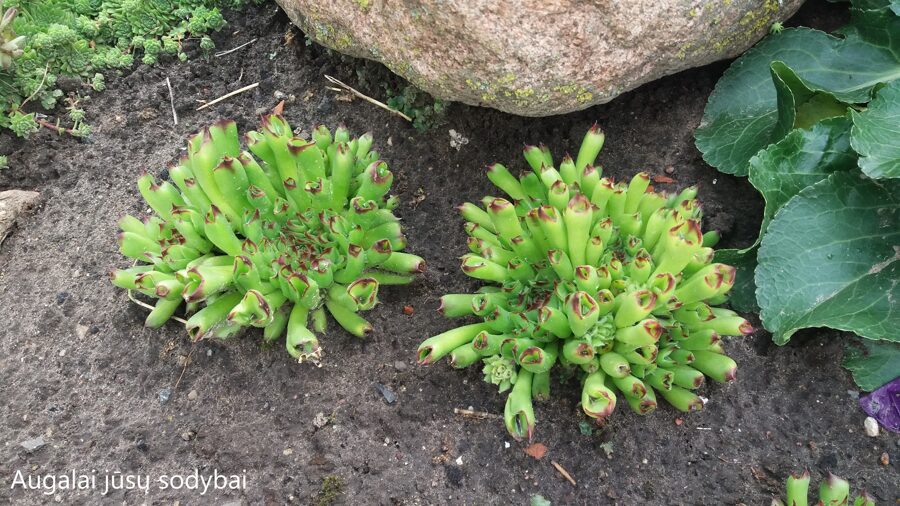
<point x="611" y="281"/>
<point x="271" y="237"/>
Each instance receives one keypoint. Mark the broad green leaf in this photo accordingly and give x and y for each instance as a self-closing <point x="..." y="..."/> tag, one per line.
<point x="876" y="134"/>
<point x="801" y="159"/>
<point x="742" y="296"/>
<point x="831" y="258"/>
<point x="779" y="172"/>
<point x="872" y="363"/>
<point x="799" y="105"/>
<point x="741" y="114"/>
<point x="893" y="5"/>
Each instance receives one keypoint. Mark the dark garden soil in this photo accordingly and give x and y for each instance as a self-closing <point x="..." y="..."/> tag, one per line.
<point x="78" y="369"/>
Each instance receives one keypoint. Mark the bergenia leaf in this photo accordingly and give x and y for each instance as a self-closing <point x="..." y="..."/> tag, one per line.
<point x="741" y="114"/>
<point x="872" y="363"/>
<point x="876" y="134"/>
<point x="799" y="104"/>
<point x="779" y="172"/>
<point x="831" y="258"/>
<point x="743" y="294"/>
<point x="801" y="159"/>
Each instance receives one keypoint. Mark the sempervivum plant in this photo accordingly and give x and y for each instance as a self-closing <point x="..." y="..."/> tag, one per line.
<point x="271" y="241"/>
<point x="613" y="282"/>
<point x="834" y="491"/>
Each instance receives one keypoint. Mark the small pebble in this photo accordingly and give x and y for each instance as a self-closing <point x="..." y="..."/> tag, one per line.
<point x="871" y="426"/>
<point x="192" y="395"/>
<point x="164" y="395"/>
<point x="459" y="460"/>
<point x="279" y="95"/>
<point x="885" y="459"/>
<point x="389" y="396"/>
<point x="320" y="420"/>
<point x="208" y="353"/>
<point x="853" y="394"/>
<point x="81" y="331"/>
<point x="33" y="444"/>
<point x="288" y="451"/>
<point x="400" y="365"/>
<point x="188" y="435"/>
<point x="670" y="169"/>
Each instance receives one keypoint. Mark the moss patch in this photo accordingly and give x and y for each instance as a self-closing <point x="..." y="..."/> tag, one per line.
<point x="332" y="488"/>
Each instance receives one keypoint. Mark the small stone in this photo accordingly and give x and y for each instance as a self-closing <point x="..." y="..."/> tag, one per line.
<point x="34" y="444"/>
<point x="459" y="461"/>
<point x="853" y="394"/>
<point x="885" y="459"/>
<point x="871" y="426"/>
<point x="81" y="331"/>
<point x="14" y="203"/>
<point x="188" y="435"/>
<point x="679" y="421"/>
<point x="164" y="395"/>
<point x="287" y="451"/>
<point x="400" y="365"/>
<point x="457" y="140"/>
<point x="536" y="451"/>
<point x="320" y="420"/>
<point x="408" y="310"/>
<point x="62" y="353"/>
<point x="279" y="95"/>
<point x="208" y="353"/>
<point x="192" y="395"/>
<point x="670" y="169"/>
<point x="389" y="396"/>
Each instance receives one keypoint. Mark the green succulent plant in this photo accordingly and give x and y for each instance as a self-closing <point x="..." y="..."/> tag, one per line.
<point x="268" y="242"/>
<point x="614" y="282"/>
<point x="834" y="491"/>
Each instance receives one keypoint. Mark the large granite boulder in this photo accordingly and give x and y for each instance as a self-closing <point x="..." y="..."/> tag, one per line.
<point x="537" y="58"/>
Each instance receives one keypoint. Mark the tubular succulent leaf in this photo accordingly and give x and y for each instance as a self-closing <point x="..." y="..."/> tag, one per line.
<point x="268" y="242"/>
<point x="833" y="491"/>
<point x="612" y="282"/>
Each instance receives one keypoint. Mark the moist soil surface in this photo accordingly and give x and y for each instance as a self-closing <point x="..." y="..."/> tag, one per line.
<point x="79" y="369"/>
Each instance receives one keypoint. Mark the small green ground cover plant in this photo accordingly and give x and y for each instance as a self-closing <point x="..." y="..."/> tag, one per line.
<point x="42" y="41"/>
<point x="270" y="238"/>
<point x="812" y="120"/>
<point x="833" y="491"/>
<point x="612" y="283"/>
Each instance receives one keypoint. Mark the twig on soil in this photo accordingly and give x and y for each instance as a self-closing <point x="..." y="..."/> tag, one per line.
<point x="468" y="413"/>
<point x="172" y="101"/>
<point x="36" y="90"/>
<point x="229" y="95"/>
<point x="187" y="362"/>
<point x="564" y="473"/>
<point x="223" y="53"/>
<point x="55" y="128"/>
<point x="344" y="87"/>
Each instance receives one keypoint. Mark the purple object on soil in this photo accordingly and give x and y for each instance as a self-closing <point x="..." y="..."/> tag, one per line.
<point x="884" y="405"/>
